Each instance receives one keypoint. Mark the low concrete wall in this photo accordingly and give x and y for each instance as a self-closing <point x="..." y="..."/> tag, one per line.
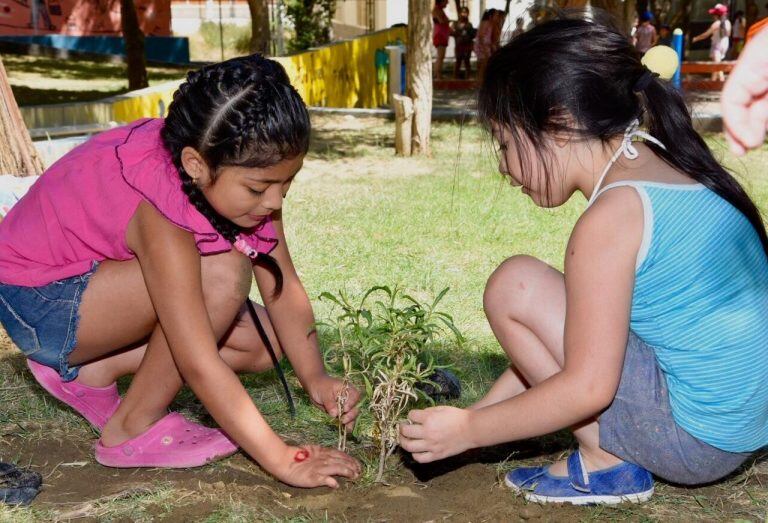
<point x="343" y="74"/>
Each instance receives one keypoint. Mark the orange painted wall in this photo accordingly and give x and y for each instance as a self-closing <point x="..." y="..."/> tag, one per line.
<point x="80" y="17"/>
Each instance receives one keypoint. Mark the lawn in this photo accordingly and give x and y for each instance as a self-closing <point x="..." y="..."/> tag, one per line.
<point x="41" y="80"/>
<point x="358" y="217"/>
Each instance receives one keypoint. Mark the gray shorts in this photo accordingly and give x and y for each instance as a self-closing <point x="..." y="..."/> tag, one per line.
<point x="638" y="426"/>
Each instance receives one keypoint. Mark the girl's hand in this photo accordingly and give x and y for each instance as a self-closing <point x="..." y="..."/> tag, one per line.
<point x="314" y="466"/>
<point x="325" y="390"/>
<point x="436" y="433"/>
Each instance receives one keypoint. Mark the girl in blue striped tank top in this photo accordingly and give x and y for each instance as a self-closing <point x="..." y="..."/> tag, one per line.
<point x="652" y="346"/>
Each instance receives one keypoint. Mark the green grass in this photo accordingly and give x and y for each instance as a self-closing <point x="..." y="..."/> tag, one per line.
<point x="357" y="217"/>
<point x="39" y="80"/>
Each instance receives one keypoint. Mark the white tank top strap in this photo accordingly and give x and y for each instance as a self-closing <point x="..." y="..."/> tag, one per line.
<point x="639" y="187"/>
<point x="637" y="184"/>
<point x="627" y="149"/>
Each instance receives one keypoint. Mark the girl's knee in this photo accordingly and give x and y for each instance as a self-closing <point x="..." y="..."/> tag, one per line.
<point x="227" y="276"/>
<point x="512" y="285"/>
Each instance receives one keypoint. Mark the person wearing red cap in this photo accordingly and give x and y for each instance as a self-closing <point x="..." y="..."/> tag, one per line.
<point x="719" y="32"/>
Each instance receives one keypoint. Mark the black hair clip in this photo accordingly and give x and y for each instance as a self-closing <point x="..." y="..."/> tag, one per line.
<point x="644" y="81"/>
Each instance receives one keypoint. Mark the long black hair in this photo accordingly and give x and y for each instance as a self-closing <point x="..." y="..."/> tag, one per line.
<point x="580" y="77"/>
<point x="241" y="112"/>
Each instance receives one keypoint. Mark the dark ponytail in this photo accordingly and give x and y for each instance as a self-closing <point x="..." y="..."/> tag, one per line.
<point x="242" y="112"/>
<point x="581" y="77"/>
<point x="668" y="119"/>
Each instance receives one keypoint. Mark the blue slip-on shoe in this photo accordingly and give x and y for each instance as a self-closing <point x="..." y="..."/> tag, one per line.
<point x="621" y="483"/>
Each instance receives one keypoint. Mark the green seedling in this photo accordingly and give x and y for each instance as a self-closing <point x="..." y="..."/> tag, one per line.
<point x="383" y="342"/>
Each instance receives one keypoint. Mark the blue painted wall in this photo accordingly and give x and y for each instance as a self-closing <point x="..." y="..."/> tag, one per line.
<point x="169" y="49"/>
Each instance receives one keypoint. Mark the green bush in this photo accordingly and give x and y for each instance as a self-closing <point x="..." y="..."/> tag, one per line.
<point x="311" y="21"/>
<point x="384" y="341"/>
<point x="235" y="36"/>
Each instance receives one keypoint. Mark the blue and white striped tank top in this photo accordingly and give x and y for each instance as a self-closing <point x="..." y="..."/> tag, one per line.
<point x="701" y="301"/>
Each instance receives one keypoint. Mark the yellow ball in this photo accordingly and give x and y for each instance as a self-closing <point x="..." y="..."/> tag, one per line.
<point x="662" y="60"/>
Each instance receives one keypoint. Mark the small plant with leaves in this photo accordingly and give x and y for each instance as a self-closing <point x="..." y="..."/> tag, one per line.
<point x="383" y="341"/>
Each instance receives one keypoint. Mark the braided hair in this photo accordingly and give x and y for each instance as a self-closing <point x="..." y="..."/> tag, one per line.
<point x="242" y="112"/>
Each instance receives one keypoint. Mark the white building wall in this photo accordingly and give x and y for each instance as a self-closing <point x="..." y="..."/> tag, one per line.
<point x="396" y="13"/>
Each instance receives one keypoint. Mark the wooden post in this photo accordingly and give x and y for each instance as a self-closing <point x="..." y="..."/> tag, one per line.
<point x="18" y="155"/>
<point x="403" y="124"/>
<point x="419" y="72"/>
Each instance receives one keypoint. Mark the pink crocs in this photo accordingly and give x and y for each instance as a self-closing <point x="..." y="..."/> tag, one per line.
<point x="172" y="442"/>
<point x="96" y="404"/>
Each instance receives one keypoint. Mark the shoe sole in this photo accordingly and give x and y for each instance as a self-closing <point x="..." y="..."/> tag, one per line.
<point x="639" y="497"/>
<point x="118" y="461"/>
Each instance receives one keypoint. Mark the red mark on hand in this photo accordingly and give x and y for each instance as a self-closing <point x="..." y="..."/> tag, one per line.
<point x="301" y="456"/>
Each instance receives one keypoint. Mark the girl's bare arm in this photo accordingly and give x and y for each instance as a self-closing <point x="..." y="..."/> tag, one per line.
<point x="599" y="279"/>
<point x="170" y="264"/>
<point x="292" y="318"/>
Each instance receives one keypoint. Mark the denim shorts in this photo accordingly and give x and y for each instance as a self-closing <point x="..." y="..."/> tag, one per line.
<point x="42" y="321"/>
<point x="638" y="426"/>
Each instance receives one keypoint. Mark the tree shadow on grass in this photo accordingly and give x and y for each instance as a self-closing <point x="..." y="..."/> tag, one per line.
<point x="55" y="68"/>
<point x="42" y="78"/>
<point x="335" y="144"/>
<point x="32" y="96"/>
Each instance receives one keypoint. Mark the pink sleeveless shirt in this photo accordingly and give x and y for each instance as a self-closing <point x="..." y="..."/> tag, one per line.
<point x="79" y="209"/>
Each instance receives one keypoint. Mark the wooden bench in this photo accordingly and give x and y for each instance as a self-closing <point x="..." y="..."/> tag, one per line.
<point x="708" y="68"/>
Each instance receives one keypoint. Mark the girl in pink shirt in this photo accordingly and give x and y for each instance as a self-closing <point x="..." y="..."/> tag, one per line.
<point x="120" y="260"/>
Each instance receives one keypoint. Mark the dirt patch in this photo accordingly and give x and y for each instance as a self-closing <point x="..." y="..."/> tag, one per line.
<point x="467" y="488"/>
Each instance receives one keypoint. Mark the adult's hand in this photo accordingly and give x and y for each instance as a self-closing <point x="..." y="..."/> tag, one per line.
<point x="745" y="97"/>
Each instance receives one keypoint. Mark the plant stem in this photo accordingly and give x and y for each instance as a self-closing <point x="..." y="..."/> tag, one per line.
<point x="341" y="400"/>
<point x="382" y="460"/>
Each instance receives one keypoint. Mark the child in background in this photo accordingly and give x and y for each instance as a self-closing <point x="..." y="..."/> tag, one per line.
<point x="719" y="33"/>
<point x="645" y="36"/>
<point x="464" y="34"/>
<point x="739" y="33"/>
<point x="441" y="32"/>
<point x="134" y="254"/>
<point x="665" y="35"/>
<point x="485" y="43"/>
<point x="652" y="344"/>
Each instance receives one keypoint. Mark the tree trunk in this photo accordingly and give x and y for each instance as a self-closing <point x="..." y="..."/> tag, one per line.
<point x="419" y="72"/>
<point x="260" y="33"/>
<point x="622" y="12"/>
<point x="134" y="46"/>
<point x="17" y="154"/>
<point x="630" y="10"/>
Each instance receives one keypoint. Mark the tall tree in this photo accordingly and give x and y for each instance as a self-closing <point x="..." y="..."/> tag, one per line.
<point x="312" y="22"/>
<point x="623" y="12"/>
<point x="134" y="46"/>
<point x="260" y="33"/>
<point x="419" y="72"/>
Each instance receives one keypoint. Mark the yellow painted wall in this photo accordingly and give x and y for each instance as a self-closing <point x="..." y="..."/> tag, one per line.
<point x="338" y="75"/>
<point x="343" y="74"/>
